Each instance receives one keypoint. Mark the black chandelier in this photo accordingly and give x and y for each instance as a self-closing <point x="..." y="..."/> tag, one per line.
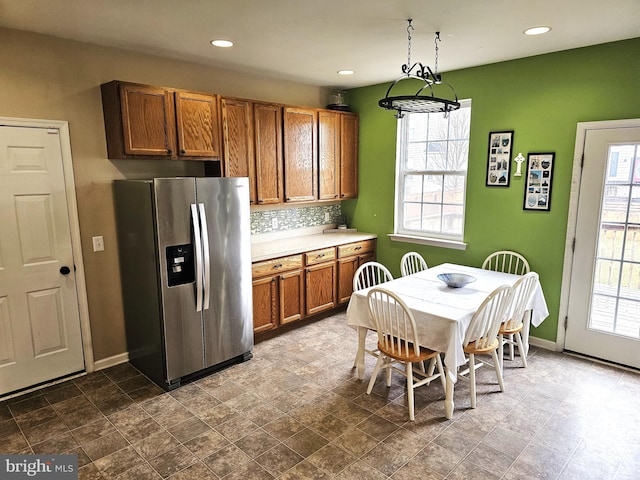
<point x="420" y="102"/>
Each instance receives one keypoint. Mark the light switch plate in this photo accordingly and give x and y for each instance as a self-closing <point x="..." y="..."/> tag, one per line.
<point x="98" y="244"/>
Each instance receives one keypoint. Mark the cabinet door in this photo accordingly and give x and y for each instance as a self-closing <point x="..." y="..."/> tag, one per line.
<point x="291" y="296"/>
<point x="346" y="270"/>
<point x="197" y="123"/>
<point x="328" y="155"/>
<point x="300" y="161"/>
<point x="268" y="152"/>
<point x="148" y="120"/>
<point x="349" y="155"/>
<point x="321" y="287"/>
<point x="237" y="137"/>
<point x="265" y="304"/>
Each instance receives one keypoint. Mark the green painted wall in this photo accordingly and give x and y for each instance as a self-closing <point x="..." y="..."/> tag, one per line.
<point x="542" y="99"/>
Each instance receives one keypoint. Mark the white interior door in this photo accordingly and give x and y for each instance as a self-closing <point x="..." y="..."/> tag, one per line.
<point x="604" y="298"/>
<point x="40" y="334"/>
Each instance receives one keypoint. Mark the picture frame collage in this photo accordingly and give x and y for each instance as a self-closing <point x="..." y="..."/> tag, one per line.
<point x="539" y="172"/>
<point x="499" y="159"/>
<point x="537" y="193"/>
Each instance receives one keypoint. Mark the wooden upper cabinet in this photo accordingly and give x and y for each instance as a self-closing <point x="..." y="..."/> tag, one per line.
<point x="147" y="116"/>
<point x="237" y="137"/>
<point x="300" y="160"/>
<point x="143" y="121"/>
<point x="348" y="155"/>
<point x="267" y="126"/>
<point x="328" y="155"/>
<point x="197" y="124"/>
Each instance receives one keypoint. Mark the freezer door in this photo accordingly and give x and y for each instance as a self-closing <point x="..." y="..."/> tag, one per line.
<point x="182" y="326"/>
<point x="228" y="320"/>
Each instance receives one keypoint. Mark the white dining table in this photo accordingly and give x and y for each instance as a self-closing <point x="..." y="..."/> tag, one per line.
<point x="442" y="313"/>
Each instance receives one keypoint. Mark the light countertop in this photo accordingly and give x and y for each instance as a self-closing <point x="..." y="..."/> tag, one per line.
<point x="265" y="247"/>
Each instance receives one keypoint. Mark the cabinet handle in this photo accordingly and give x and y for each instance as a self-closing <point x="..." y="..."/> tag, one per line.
<point x="182" y="152"/>
<point x="277" y="266"/>
<point x="335" y="196"/>
<point x="169" y="151"/>
<point x="260" y="200"/>
<point x="358" y="248"/>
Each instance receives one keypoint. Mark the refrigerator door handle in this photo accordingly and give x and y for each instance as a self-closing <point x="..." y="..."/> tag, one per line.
<point x="206" y="285"/>
<point x="198" y="248"/>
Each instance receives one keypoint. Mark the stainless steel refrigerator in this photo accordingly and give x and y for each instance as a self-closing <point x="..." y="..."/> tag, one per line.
<point x="185" y="262"/>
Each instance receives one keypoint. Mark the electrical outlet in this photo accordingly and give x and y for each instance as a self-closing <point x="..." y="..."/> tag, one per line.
<point x="326" y="217"/>
<point x="98" y="244"/>
<point x="274" y="223"/>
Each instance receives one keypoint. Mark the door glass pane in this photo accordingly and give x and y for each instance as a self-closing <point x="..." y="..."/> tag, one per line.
<point x="616" y="285"/>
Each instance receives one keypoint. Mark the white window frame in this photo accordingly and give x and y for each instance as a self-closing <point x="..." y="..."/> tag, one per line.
<point x="413" y="236"/>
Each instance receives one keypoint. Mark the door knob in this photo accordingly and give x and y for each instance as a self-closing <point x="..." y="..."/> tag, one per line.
<point x="65" y="270"/>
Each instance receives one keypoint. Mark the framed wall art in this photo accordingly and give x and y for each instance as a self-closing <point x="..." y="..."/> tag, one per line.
<point x="537" y="192"/>
<point x="499" y="158"/>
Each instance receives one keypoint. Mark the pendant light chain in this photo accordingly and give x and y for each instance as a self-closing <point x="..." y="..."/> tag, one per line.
<point x="409" y="28"/>
<point x="435" y="66"/>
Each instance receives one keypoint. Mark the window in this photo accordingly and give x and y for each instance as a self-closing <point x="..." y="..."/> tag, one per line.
<point x="431" y="174"/>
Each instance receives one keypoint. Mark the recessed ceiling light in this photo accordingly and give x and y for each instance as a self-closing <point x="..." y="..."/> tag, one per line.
<point x="346" y="72"/>
<point x="222" y="43"/>
<point x="537" y="30"/>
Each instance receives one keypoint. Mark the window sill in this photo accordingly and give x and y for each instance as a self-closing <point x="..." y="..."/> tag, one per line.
<point x="434" y="242"/>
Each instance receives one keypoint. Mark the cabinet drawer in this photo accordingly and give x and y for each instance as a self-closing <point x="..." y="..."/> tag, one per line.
<point x="277" y="265"/>
<point x="356" y="248"/>
<point x="319" y="256"/>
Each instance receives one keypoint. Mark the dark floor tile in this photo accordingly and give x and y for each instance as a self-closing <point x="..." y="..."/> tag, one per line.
<point x="236" y="428"/>
<point x="63" y="393"/>
<point x="8" y="427"/>
<point x="173" y="461"/>
<point x="279" y="459"/>
<point x="56" y="444"/>
<point x="225" y="460"/>
<point x="155" y="445"/>
<point x="22" y="407"/>
<point x="5" y="413"/>
<point x="134" y="383"/>
<point x="306" y="442"/>
<point x="120" y="372"/>
<point x="256" y="443"/>
<point x="13" y="444"/>
<point x="185" y="431"/>
<point x="145" y="393"/>
<point x="117" y="462"/>
<point x="105" y="446"/>
<point x="283" y="428"/>
<point x="45" y="431"/>
<point x="114" y="403"/>
<point x="141" y="472"/>
<point x="306" y="470"/>
<point x="89" y="472"/>
<point x="332" y="459"/>
<point x="360" y="470"/>
<point x="197" y="471"/>
<point x="82" y="417"/>
<point x="206" y="444"/>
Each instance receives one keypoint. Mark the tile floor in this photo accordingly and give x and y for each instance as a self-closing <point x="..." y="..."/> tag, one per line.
<point x="296" y="411"/>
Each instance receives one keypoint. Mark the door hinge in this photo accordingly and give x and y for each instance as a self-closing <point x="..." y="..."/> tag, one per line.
<point x="53" y="132"/>
<point x="582" y="161"/>
<point x="566" y="322"/>
<point x="573" y="245"/>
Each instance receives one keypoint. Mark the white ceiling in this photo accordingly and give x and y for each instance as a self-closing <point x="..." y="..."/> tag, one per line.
<point x="308" y="41"/>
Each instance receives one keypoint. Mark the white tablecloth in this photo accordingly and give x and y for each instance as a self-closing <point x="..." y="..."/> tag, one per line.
<point x="443" y="314"/>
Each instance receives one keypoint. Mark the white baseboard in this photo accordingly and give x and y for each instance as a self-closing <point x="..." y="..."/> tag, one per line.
<point x="542" y="343"/>
<point x="111" y="361"/>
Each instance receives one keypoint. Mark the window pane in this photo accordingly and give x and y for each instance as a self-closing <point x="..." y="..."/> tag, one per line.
<point x="606" y="277"/>
<point x="453" y="220"/>
<point x="614" y="203"/>
<point x="603" y="313"/>
<point x="416" y="156"/>
<point x="418" y="128"/>
<point x="437" y="156"/>
<point x="411" y="219"/>
<point x="632" y="244"/>
<point x="458" y="152"/>
<point x="413" y="188"/>
<point x="459" y="124"/>
<point x="630" y="281"/>
<point x="627" y="320"/>
<point x="432" y="189"/>
<point x="620" y="163"/>
<point x="634" y="207"/>
<point x="431" y="218"/>
<point x="610" y="240"/>
<point x="454" y="189"/>
<point x="438" y="127"/>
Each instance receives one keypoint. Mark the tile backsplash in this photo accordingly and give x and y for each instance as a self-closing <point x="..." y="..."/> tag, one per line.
<point x="267" y="221"/>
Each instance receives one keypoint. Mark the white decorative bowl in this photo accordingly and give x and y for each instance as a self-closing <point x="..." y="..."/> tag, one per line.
<point x="456" y="280"/>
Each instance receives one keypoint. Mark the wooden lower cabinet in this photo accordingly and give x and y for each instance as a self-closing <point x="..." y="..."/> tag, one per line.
<point x="291" y="288"/>
<point x="321" y="287"/>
